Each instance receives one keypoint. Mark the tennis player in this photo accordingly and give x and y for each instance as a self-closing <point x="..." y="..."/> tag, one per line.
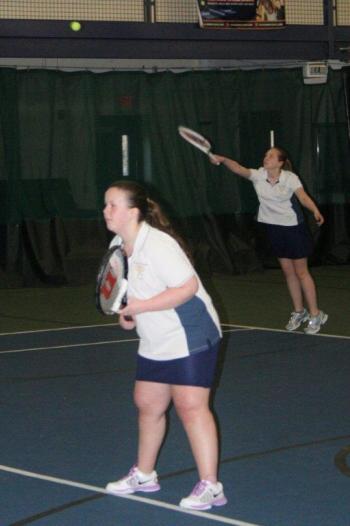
<point x="280" y="194"/>
<point x="179" y="334"/>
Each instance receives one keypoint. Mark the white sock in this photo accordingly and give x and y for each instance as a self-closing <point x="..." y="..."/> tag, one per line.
<point x="211" y="482"/>
<point x="144" y="477"/>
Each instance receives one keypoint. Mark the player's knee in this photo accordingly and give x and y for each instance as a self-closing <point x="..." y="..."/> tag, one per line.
<point x="188" y="409"/>
<point x="303" y="274"/>
<point x="148" y="405"/>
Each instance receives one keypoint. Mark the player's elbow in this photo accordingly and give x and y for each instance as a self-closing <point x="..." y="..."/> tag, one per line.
<point x="192" y="286"/>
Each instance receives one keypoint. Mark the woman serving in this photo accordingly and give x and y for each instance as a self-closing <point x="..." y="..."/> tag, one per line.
<point x="281" y="196"/>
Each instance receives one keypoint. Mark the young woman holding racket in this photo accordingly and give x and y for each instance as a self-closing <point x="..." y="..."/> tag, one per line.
<point x="280" y="195"/>
<point x="179" y="334"/>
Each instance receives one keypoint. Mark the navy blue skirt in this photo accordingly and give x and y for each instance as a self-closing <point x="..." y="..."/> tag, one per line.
<point x="196" y="369"/>
<point x="292" y="242"/>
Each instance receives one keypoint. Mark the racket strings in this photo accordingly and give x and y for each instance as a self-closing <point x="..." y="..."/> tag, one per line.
<point x="108" y="285"/>
<point x="195" y="138"/>
<point x="111" y="281"/>
<point x="201" y="142"/>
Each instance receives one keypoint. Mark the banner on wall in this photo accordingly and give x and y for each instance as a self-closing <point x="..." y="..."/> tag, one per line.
<point x="256" y="14"/>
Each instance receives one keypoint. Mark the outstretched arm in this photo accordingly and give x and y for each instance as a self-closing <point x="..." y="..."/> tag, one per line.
<point x="232" y="165"/>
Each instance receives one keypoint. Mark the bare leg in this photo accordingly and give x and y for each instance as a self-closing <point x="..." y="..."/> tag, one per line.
<point x="152" y="400"/>
<point x="307" y="284"/>
<point x="293" y="283"/>
<point x="192" y="406"/>
<point x="300" y="283"/>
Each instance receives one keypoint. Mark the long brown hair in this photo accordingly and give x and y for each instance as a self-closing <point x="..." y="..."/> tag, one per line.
<point x="149" y="210"/>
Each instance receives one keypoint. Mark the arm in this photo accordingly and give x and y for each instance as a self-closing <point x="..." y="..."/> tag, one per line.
<point x="232" y="165"/>
<point x="308" y="203"/>
<point x="168" y="299"/>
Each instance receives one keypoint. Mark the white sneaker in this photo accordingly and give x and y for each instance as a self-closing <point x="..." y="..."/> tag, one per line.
<point x="316" y="322"/>
<point x="204" y="495"/>
<point x="296" y="319"/>
<point x="134" y="481"/>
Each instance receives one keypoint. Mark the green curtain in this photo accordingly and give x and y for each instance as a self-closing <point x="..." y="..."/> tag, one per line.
<point x="53" y="165"/>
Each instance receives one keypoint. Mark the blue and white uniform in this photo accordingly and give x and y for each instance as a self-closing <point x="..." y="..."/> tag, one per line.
<point x="278" y="204"/>
<point x="183" y="337"/>
<point x="281" y="213"/>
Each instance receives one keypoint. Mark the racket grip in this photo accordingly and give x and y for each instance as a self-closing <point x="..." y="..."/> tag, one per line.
<point x="213" y="159"/>
<point x="124" y="304"/>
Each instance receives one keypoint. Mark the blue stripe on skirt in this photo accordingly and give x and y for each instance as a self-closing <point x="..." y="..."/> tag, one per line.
<point x="196" y="369"/>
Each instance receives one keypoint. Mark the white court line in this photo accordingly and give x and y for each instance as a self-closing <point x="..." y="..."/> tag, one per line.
<point x="68" y="346"/>
<point x="61" y="329"/>
<point x="151" y="502"/>
<point x="250" y="327"/>
<point x="236" y="329"/>
<point x="234" y="326"/>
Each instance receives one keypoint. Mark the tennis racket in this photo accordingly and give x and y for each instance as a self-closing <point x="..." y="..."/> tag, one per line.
<point x="111" y="281"/>
<point x="197" y="140"/>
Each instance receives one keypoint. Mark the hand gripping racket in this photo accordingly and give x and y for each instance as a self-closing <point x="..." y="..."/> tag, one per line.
<point x="111" y="281"/>
<point x="197" y="140"/>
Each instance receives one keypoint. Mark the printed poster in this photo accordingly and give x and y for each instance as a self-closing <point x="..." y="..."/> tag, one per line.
<point x="250" y="14"/>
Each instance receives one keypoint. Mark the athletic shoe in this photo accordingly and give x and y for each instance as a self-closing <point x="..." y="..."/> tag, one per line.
<point x="204" y="495"/>
<point x="316" y="322"/>
<point x="296" y="319"/>
<point x="134" y="481"/>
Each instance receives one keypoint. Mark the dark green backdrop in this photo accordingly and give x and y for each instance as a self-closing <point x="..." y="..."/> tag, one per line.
<point x="60" y="145"/>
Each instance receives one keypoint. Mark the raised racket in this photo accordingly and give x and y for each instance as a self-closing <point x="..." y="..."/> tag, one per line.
<point x="197" y="140"/>
<point x="111" y="281"/>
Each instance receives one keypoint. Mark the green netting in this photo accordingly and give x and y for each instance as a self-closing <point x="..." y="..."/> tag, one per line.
<point x="66" y="128"/>
<point x="62" y="141"/>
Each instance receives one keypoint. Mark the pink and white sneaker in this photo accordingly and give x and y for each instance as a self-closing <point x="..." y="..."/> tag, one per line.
<point x="204" y="495"/>
<point x="133" y="482"/>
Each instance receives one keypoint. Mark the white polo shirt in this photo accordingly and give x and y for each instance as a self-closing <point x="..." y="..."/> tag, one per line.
<point x="278" y="204"/>
<point x="158" y="263"/>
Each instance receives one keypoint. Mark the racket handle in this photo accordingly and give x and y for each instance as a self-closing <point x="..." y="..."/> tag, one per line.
<point x="213" y="159"/>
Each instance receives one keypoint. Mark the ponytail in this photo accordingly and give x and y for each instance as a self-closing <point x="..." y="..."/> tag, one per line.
<point x="156" y="218"/>
<point x="283" y="156"/>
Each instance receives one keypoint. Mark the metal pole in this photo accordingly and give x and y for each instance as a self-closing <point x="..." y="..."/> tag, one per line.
<point x="150" y="11"/>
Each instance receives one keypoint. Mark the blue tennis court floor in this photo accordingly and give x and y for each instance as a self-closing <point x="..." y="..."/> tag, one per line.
<point x="68" y="426"/>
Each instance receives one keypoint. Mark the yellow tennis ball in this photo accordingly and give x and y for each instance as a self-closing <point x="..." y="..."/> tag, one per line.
<point x="75" y="26"/>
